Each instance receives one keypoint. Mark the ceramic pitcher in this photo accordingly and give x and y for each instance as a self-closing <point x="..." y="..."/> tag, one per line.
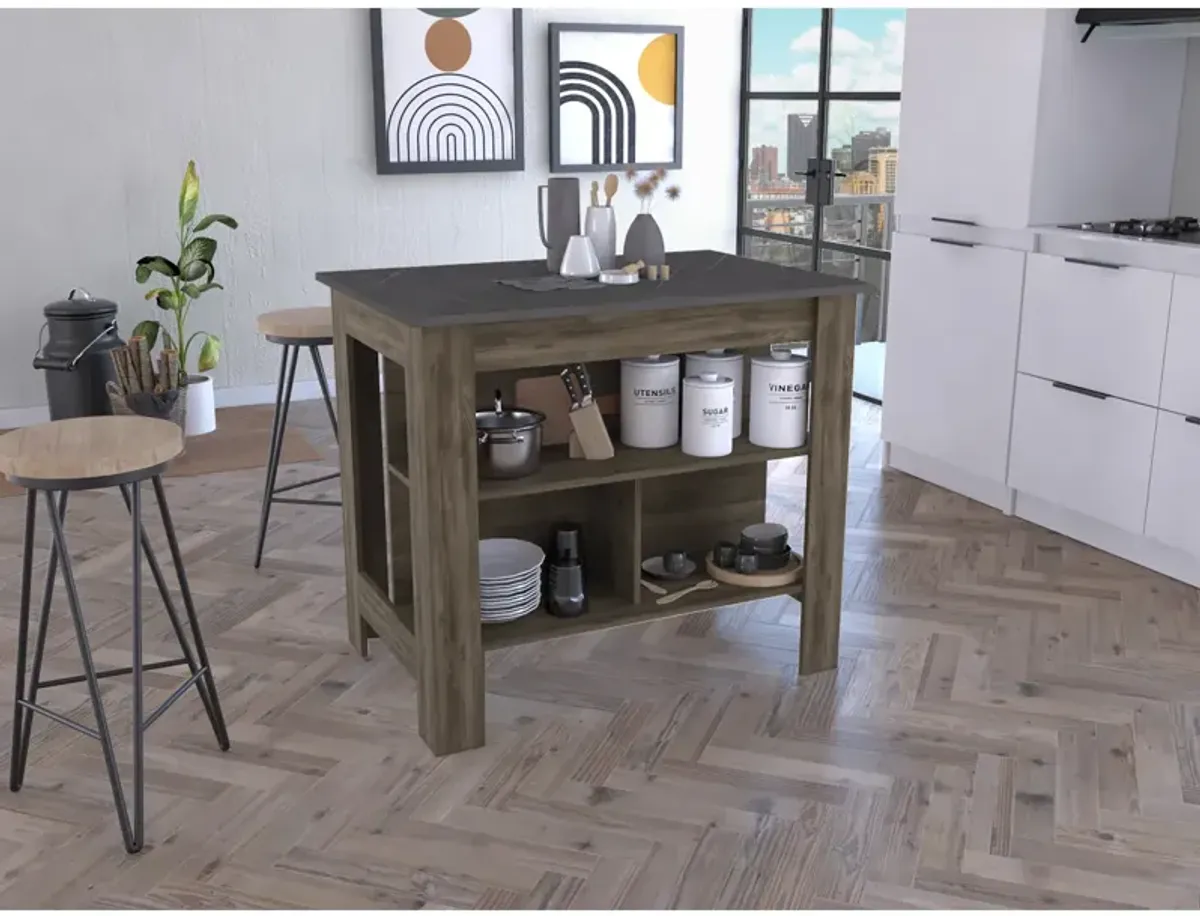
<point x="558" y="218"/>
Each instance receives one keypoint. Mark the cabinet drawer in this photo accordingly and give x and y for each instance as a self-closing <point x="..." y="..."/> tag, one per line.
<point x="1100" y="327"/>
<point x="1181" y="366"/>
<point x="1084" y="453"/>
<point x="1173" y="515"/>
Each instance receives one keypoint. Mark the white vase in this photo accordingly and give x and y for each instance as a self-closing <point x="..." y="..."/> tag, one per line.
<point x="600" y="225"/>
<point x="201" y="414"/>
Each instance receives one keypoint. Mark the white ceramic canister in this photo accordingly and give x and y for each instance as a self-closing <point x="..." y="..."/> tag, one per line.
<point x="729" y="363"/>
<point x="779" y="400"/>
<point x="650" y="401"/>
<point x="708" y="407"/>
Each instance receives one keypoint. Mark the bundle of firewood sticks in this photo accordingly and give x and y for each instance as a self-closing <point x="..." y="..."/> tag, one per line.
<point x="136" y="371"/>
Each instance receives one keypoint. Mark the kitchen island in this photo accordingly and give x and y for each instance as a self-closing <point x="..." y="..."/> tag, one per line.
<point x="445" y="338"/>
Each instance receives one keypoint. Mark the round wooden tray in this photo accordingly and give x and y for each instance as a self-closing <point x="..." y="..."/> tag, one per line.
<point x="767" y="579"/>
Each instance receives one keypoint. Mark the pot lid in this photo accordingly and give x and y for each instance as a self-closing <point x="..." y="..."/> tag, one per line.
<point x="708" y="380"/>
<point x="513" y="418"/>
<point x="80" y="304"/>
<point x="651" y="361"/>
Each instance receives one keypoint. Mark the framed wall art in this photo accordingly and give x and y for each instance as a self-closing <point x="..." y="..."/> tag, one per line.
<point x="616" y="97"/>
<point x="448" y="90"/>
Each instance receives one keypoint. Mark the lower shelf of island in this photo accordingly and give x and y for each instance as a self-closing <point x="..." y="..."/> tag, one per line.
<point x="607" y="611"/>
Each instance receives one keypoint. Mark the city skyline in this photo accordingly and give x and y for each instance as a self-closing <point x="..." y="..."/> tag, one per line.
<point x="867" y="53"/>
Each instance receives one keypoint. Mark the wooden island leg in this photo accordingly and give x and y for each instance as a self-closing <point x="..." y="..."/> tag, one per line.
<point x="828" y="475"/>
<point x="445" y="539"/>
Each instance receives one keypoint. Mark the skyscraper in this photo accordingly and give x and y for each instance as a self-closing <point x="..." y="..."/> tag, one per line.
<point x="881" y="163"/>
<point x="801" y="144"/>
<point x="860" y="145"/>
<point x="764" y="163"/>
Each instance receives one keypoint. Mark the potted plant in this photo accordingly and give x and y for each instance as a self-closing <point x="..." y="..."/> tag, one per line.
<point x="188" y="277"/>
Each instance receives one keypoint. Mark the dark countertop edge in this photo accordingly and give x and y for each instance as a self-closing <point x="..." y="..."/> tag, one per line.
<point x="843" y="287"/>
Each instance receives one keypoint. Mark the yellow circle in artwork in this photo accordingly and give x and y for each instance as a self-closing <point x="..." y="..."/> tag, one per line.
<point x="656" y="69"/>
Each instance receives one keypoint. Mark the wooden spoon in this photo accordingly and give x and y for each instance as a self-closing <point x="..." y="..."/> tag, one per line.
<point x="610" y="188"/>
<point x="698" y="587"/>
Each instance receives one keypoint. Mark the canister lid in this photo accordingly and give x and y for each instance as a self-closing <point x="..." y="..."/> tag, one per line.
<point x="724" y="354"/>
<point x="780" y="358"/>
<point x="654" y="360"/>
<point x="79" y="304"/>
<point x="708" y="380"/>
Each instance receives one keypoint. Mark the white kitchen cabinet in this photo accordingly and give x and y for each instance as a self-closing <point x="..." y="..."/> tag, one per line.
<point x="1095" y="324"/>
<point x="1086" y="453"/>
<point x="1181" y="367"/>
<point x="1009" y="121"/>
<point x="953" y="315"/>
<point x="1173" y="516"/>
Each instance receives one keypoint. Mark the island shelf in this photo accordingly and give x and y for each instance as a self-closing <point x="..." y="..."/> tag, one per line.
<point x="444" y="339"/>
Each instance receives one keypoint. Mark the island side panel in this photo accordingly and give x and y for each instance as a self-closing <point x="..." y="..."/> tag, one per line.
<point x="443" y="492"/>
<point x="356" y="370"/>
<point x="828" y="474"/>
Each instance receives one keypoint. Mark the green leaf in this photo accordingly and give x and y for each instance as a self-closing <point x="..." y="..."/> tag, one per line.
<point x="216" y="218"/>
<point x="147" y="329"/>
<point x="168" y="341"/>
<point x="189" y="194"/>
<point x="155" y="264"/>
<point x="195" y="292"/>
<point x="158" y="291"/>
<point x="168" y="301"/>
<point x="210" y="353"/>
<point x="195" y="270"/>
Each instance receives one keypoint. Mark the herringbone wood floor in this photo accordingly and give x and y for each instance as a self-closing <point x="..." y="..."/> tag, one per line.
<point x="1015" y="722"/>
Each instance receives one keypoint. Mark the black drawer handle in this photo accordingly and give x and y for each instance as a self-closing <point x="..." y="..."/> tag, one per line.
<point x="1193" y="420"/>
<point x="957" y="222"/>
<point x="1087" y="392"/>
<point x="954" y="242"/>
<point x="1088" y="263"/>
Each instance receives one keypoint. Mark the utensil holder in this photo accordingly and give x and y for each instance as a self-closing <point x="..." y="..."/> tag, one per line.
<point x="600" y="225"/>
<point x="147" y="404"/>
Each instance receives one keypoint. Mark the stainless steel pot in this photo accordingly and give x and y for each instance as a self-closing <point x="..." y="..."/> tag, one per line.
<point x="508" y="441"/>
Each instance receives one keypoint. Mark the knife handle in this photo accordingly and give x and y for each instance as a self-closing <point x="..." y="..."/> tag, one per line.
<point x="570" y="385"/>
<point x="584" y="382"/>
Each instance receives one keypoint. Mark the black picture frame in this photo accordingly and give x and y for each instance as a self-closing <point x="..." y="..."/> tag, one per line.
<point x="383" y="163"/>
<point x="555" y="31"/>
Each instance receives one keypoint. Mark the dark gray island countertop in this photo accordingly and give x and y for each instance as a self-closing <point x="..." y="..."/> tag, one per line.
<point x="468" y="294"/>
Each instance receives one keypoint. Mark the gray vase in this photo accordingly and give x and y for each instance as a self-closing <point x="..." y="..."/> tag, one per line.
<point x="644" y="242"/>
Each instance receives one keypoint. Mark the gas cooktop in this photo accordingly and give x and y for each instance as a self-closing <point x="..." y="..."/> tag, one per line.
<point x="1175" y="228"/>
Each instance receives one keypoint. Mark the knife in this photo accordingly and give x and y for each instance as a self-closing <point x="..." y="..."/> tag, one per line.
<point x="585" y="384"/>
<point x="570" y="383"/>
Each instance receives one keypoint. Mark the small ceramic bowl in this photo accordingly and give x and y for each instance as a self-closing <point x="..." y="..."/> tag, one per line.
<point x="765" y="537"/>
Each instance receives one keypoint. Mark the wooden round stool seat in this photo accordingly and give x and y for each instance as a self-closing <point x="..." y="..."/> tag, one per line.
<point x="299" y="326"/>
<point x="88" y="452"/>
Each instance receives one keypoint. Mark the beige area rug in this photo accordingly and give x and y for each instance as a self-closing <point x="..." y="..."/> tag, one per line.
<point x="240" y="441"/>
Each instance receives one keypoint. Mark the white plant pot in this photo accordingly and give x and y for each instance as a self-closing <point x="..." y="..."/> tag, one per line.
<point x="201" y="414"/>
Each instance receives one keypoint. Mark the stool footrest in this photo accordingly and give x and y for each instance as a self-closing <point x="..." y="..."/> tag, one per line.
<point x="305" y="483"/>
<point x="114" y="672"/>
<point x="178" y="692"/>
<point x="61" y="719"/>
<point x="293" y="501"/>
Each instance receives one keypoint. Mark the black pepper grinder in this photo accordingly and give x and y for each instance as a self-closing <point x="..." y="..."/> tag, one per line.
<point x="566" y="591"/>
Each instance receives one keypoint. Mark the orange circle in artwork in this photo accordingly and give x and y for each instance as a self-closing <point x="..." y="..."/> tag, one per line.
<point x="448" y="45"/>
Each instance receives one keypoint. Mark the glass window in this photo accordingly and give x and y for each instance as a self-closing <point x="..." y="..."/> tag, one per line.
<point x="864" y="144"/>
<point x="785" y="50"/>
<point x="789" y="254"/>
<point x="866" y="50"/>
<point x="782" y="137"/>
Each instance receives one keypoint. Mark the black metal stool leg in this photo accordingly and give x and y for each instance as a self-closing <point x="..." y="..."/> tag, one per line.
<point x="139" y="720"/>
<point x="210" y="683"/>
<point x="20" y="714"/>
<point x="283" y="399"/>
<point x="132" y="840"/>
<point x="39" y="650"/>
<point x="210" y="707"/>
<point x="324" y="383"/>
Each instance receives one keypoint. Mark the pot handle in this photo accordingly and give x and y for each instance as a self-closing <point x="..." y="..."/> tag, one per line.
<point x="482" y="437"/>
<point x="542" y="214"/>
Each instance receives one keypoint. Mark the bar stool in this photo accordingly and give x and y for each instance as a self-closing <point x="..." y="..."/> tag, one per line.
<point x="91" y="453"/>
<point x="293" y="329"/>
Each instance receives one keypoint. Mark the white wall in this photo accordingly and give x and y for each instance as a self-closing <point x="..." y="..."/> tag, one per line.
<point x="102" y="109"/>
<point x="1185" y="193"/>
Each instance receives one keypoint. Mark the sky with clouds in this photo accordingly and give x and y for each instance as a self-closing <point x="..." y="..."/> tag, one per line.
<point x="867" y="55"/>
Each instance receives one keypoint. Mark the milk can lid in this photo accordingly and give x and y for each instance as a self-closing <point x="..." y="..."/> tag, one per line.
<point x="80" y="304"/>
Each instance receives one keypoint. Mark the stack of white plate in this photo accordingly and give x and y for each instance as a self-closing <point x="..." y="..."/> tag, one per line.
<point x="510" y="578"/>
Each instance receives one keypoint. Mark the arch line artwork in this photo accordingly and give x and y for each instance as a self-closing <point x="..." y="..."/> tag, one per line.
<point x="614" y="113"/>
<point x="484" y="120"/>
